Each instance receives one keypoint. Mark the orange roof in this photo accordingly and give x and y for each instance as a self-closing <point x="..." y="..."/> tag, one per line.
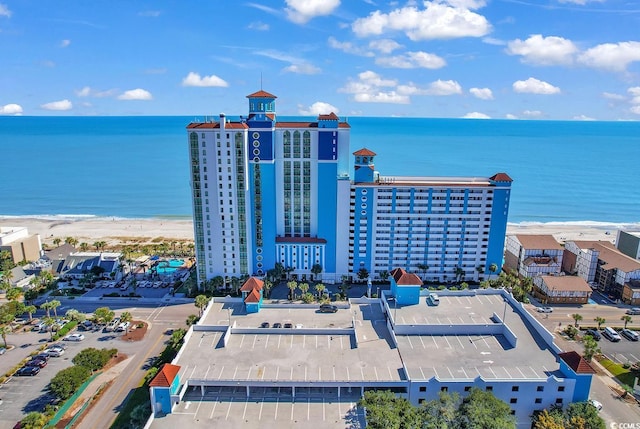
<point x="261" y="94"/>
<point x="404" y="278"/>
<point x="254" y="296"/>
<point x="251" y="284"/>
<point x="501" y="177"/>
<point x="330" y="116"/>
<point x="577" y="362"/>
<point x="612" y="257"/>
<point x="566" y="284"/>
<point x="538" y="242"/>
<point x="364" y="152"/>
<point x="165" y="376"/>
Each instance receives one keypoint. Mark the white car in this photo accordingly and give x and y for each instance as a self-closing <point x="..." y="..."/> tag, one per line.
<point x="74" y="337"/>
<point x="545" y="310"/>
<point x="54" y="351"/>
<point x="596" y="404"/>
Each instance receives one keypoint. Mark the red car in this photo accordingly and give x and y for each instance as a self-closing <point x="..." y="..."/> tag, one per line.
<point x="41" y="363"/>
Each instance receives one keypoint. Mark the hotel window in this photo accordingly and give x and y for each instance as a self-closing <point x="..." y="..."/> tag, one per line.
<point x="515" y="388"/>
<point x="489" y="388"/>
<point x="538" y="400"/>
<point x="513" y="401"/>
<point x="467" y="388"/>
<point x="423" y="388"/>
<point x="444" y="389"/>
<point x="560" y="388"/>
<point x="558" y="400"/>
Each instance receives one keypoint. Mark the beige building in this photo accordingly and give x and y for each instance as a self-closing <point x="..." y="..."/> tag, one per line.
<point x="561" y="289"/>
<point x="22" y="246"/>
<point x="533" y="255"/>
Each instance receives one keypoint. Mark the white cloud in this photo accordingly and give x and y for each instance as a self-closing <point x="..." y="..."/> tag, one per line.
<point x="535" y="86"/>
<point x="136" y="94"/>
<point x="436" y="21"/>
<point x="411" y="60"/>
<point x="635" y="109"/>
<point x="318" y="108"/>
<point x="87" y="91"/>
<point x="635" y="94"/>
<point x="194" y="79"/>
<point x="259" y="26"/>
<point x="612" y="96"/>
<point x="4" y="11"/>
<point x="150" y="13"/>
<point x="444" y="87"/>
<point x="386" y="46"/>
<point x="510" y="116"/>
<point x="348" y="47"/>
<point x="372" y="88"/>
<point x="493" y="41"/>
<point x="611" y="56"/>
<point x="302" y="11"/>
<point x="65" y="43"/>
<point x="476" y="115"/>
<point x="532" y="113"/>
<point x="583" y="118"/>
<point x="84" y="92"/>
<point x="544" y="51"/>
<point x="482" y="93"/>
<point x="302" y="68"/>
<point x="11" y="109"/>
<point x="58" y="105"/>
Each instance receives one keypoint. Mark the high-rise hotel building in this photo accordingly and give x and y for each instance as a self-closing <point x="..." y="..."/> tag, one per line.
<point x="266" y="191"/>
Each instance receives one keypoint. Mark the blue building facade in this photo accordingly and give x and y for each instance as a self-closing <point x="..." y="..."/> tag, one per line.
<point x="266" y="191"/>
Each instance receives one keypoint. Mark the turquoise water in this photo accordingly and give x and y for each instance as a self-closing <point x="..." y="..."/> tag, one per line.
<point x="137" y="166"/>
<point x="168" y="267"/>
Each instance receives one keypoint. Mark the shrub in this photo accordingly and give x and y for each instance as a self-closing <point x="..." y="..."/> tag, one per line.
<point x="66" y="382"/>
<point x="94" y="359"/>
<point x="65" y="329"/>
<point x="308" y="298"/>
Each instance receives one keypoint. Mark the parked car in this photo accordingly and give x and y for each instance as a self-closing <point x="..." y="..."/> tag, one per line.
<point x="433" y="298"/>
<point x="54" y="351"/>
<point x="87" y="325"/>
<point x="112" y="325"/>
<point x="328" y="308"/>
<point x="28" y="371"/>
<point x="288" y="325"/>
<point x="545" y="310"/>
<point x="611" y="334"/>
<point x="596" y="404"/>
<point x="37" y="362"/>
<point x="593" y="333"/>
<point x="633" y="311"/>
<point x="265" y="325"/>
<point x="60" y="345"/>
<point x="74" y="337"/>
<point x="277" y="325"/>
<point x="41" y="356"/>
<point x="2" y="350"/>
<point x="629" y="334"/>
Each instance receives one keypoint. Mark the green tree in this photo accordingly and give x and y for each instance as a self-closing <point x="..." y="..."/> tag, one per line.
<point x="73" y="314"/>
<point x="34" y="420"/>
<point x="267" y="285"/>
<point x="459" y="273"/>
<point x="316" y="269"/>
<point x="54" y="305"/>
<point x="47" y="307"/>
<point x="385" y="410"/>
<point x="201" y="302"/>
<point x="103" y="315"/>
<point x="600" y="321"/>
<point x="292" y="285"/>
<point x="57" y="241"/>
<point x="4" y="331"/>
<point x="590" y="347"/>
<point x="576" y="318"/>
<point x="126" y="317"/>
<point x="192" y="319"/>
<point x="84" y="246"/>
<point x="626" y="319"/>
<point x="492" y="269"/>
<point x="480" y="270"/>
<point x="66" y="382"/>
<point x="441" y="413"/>
<point x="482" y="410"/>
<point x="423" y="269"/>
<point x="585" y="412"/>
<point x="140" y="415"/>
<point x="384" y="275"/>
<point x="72" y="241"/>
<point x="13" y="294"/>
<point x="49" y="323"/>
<point x="548" y="420"/>
<point x="363" y="274"/>
<point x="320" y="288"/>
<point x="93" y="358"/>
<point x="30" y="309"/>
<point x="304" y="288"/>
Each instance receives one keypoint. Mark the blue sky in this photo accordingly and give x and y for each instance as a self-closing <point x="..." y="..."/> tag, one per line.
<point x="526" y="59"/>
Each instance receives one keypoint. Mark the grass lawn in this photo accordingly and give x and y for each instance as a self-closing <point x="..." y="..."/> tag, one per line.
<point x="624" y="375"/>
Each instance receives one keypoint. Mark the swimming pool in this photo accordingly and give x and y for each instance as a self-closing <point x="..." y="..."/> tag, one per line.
<point x="169" y="267"/>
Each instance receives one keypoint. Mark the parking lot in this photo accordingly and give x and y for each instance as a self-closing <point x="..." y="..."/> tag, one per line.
<point x="21" y="395"/>
<point x="623" y="351"/>
<point x="222" y="408"/>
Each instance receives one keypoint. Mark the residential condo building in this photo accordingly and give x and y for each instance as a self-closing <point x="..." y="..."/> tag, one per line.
<point x="266" y="191"/>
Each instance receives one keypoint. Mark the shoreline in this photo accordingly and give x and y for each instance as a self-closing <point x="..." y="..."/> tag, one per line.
<point x="117" y="230"/>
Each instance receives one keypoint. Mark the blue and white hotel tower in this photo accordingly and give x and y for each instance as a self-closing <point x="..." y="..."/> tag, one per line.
<point x="266" y="191"/>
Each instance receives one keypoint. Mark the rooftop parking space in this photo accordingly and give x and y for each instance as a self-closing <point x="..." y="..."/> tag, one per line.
<point x="288" y="357"/>
<point x="221" y="314"/>
<point x="270" y="412"/>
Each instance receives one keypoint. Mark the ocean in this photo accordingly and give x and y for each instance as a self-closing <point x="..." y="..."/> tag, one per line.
<point x="136" y="167"/>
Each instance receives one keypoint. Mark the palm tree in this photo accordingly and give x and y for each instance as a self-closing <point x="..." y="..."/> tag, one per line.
<point x="4" y="331"/>
<point x="84" y="246"/>
<point x="126" y="317"/>
<point x="384" y="275"/>
<point x="54" y="305"/>
<point x="577" y="318"/>
<point x="201" y="302"/>
<point x="459" y="272"/>
<point x="493" y="268"/>
<point x="49" y="322"/>
<point x="57" y="241"/>
<point x="47" y="306"/>
<point x="599" y="321"/>
<point x="30" y="309"/>
<point x="480" y="270"/>
<point x="423" y="269"/>
<point x="267" y="287"/>
<point x="315" y="270"/>
<point x="292" y="285"/>
<point x="72" y="241"/>
<point x="304" y="288"/>
<point x="626" y="319"/>
<point x="320" y="288"/>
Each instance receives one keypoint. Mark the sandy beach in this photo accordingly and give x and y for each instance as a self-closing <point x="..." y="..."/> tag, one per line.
<point x="119" y="230"/>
